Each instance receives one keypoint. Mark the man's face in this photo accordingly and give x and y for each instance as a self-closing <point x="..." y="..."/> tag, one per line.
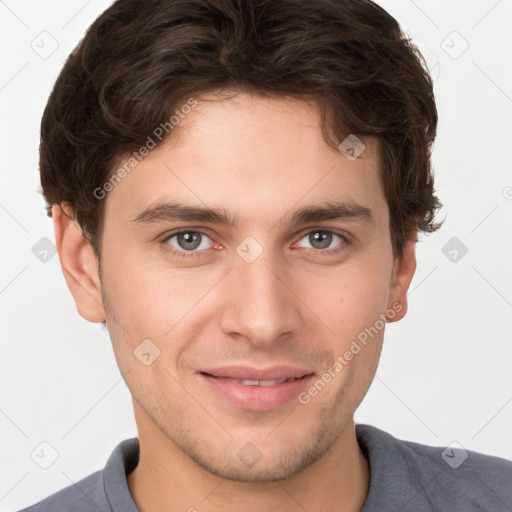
<point x="270" y="296"/>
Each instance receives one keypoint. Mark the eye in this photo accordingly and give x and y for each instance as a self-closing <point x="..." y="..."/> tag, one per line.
<point x="191" y="242"/>
<point x="188" y="241"/>
<point x="321" y="239"/>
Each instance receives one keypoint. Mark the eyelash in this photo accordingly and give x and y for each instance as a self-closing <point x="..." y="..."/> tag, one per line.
<point x="198" y="254"/>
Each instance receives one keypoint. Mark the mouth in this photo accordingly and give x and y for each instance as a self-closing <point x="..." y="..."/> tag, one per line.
<point x="256" y="389"/>
<point x="249" y="382"/>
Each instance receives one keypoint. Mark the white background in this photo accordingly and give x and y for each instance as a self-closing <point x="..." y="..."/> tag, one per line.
<point x="445" y="372"/>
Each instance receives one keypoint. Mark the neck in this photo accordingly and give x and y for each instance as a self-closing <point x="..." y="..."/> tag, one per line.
<point x="167" y="479"/>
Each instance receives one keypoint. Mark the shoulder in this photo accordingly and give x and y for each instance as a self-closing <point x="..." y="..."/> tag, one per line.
<point x="104" y="490"/>
<point x="442" y="476"/>
<point x="84" y="495"/>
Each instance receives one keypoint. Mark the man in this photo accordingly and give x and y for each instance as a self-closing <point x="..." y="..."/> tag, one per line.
<point x="237" y="188"/>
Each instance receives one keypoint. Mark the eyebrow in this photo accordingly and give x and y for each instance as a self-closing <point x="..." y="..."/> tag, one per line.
<point x="172" y="211"/>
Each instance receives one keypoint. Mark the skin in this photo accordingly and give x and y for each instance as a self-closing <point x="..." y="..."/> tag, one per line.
<point x="296" y="304"/>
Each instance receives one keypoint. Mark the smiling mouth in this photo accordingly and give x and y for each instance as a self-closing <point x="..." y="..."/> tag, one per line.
<point x="263" y="383"/>
<point x="255" y="389"/>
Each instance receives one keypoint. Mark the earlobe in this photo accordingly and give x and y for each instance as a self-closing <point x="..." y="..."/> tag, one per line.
<point x="79" y="264"/>
<point x="403" y="272"/>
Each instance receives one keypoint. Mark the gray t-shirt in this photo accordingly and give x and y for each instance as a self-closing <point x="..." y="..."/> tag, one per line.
<point x="405" y="477"/>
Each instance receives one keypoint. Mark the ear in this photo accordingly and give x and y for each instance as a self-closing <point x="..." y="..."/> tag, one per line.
<point x="403" y="272"/>
<point x="79" y="264"/>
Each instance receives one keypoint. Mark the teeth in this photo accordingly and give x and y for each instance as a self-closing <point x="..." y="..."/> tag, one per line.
<point x="271" y="382"/>
<point x="247" y="382"/>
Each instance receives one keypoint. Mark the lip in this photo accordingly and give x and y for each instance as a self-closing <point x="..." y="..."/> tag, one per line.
<point x="251" y="373"/>
<point x="256" y="397"/>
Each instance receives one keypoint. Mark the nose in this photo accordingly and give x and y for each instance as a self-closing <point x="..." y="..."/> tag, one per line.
<point x="260" y="306"/>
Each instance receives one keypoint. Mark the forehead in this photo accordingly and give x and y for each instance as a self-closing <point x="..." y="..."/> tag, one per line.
<point x="254" y="155"/>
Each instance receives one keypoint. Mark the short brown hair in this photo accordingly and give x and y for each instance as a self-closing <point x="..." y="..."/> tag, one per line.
<point x="140" y="58"/>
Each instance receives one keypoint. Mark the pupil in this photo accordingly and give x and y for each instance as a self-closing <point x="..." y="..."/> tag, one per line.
<point x="188" y="240"/>
<point x="320" y="238"/>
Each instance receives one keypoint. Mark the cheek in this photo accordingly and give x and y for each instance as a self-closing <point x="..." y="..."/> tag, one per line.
<point x="153" y="300"/>
<point x="347" y="299"/>
<point x="141" y="296"/>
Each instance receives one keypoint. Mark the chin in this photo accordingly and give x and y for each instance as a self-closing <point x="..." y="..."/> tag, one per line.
<point x="272" y="463"/>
